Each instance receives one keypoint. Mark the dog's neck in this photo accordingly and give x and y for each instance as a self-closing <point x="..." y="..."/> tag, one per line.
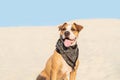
<point x="69" y="54"/>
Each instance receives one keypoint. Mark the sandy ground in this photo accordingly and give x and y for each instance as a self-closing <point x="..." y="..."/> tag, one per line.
<point x="24" y="50"/>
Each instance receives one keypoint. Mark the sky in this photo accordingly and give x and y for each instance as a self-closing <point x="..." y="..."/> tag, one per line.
<point x="54" y="12"/>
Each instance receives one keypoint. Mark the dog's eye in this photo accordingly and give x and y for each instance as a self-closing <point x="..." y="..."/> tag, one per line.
<point x="73" y="29"/>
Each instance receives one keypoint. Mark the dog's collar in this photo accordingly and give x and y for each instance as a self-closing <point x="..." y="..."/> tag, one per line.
<point x="69" y="54"/>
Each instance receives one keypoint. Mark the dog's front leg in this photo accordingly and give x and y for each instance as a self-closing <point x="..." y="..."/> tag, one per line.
<point x="55" y="66"/>
<point x="73" y="73"/>
<point x="53" y="75"/>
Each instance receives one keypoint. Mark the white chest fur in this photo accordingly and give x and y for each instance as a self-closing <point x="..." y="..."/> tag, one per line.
<point x="66" y="69"/>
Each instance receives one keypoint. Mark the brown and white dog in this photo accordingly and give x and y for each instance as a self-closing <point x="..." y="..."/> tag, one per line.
<point x="64" y="61"/>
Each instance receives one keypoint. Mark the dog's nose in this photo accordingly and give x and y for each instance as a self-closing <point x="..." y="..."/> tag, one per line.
<point x="67" y="33"/>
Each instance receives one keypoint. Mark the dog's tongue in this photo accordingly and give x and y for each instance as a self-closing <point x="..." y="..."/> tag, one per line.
<point x="68" y="43"/>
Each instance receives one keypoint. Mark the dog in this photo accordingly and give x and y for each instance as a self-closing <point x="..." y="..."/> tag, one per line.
<point x="64" y="61"/>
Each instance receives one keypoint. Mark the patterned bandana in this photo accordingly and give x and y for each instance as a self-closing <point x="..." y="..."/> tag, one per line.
<point x="69" y="54"/>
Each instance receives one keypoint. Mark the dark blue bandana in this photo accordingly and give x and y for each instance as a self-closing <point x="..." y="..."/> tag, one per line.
<point x="69" y="54"/>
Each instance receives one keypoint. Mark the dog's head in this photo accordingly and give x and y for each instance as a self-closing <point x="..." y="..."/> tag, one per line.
<point x="69" y="33"/>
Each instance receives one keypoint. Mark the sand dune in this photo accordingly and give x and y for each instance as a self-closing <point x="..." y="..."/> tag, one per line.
<point x="24" y="50"/>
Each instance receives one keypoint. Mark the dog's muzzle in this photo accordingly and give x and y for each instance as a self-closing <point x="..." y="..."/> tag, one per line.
<point x="67" y="34"/>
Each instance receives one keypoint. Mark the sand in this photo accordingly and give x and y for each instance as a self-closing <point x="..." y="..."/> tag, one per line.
<point x="24" y="50"/>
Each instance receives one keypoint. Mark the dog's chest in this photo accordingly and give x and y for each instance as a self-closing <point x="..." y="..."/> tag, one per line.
<point x="65" y="69"/>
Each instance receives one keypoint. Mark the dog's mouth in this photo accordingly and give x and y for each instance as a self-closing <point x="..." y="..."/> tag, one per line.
<point x="68" y="42"/>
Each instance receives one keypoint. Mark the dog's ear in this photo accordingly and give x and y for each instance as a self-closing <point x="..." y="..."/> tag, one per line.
<point x="61" y="26"/>
<point x="79" y="27"/>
